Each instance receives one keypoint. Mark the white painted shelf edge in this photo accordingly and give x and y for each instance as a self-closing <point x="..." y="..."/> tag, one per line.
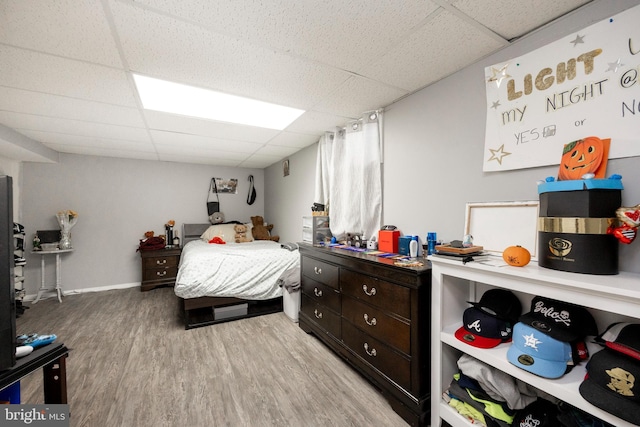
<point x="617" y="293"/>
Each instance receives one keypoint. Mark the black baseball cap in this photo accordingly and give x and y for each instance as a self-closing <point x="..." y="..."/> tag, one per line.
<point x="540" y="413"/>
<point x="561" y="320"/>
<point x="500" y="303"/>
<point x="622" y="337"/>
<point x="482" y="330"/>
<point x="612" y="384"/>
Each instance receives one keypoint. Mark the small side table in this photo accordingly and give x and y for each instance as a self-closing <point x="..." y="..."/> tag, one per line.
<point x="58" y="288"/>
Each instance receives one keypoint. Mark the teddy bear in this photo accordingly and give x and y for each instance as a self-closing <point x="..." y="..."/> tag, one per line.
<point x="241" y="233"/>
<point x="262" y="232"/>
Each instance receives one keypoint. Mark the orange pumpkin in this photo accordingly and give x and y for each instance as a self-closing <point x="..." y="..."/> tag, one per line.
<point x="580" y="157"/>
<point x="516" y="256"/>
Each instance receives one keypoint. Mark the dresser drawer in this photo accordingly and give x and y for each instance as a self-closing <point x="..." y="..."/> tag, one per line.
<point x="320" y="271"/>
<point x="165" y="273"/>
<point x="387" y="295"/>
<point x="383" y="358"/>
<point x="321" y="294"/>
<point x="320" y="314"/>
<point x="376" y="323"/>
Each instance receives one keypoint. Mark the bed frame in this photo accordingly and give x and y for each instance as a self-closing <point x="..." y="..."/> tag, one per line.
<point x="204" y="311"/>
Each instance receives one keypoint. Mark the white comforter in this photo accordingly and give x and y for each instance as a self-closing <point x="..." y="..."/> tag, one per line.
<point x="242" y="270"/>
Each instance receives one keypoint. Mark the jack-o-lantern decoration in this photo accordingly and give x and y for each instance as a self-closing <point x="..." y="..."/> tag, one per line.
<point x="516" y="256"/>
<point x="581" y="157"/>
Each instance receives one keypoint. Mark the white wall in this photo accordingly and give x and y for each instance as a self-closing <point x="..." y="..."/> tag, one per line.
<point x="433" y="150"/>
<point x="117" y="201"/>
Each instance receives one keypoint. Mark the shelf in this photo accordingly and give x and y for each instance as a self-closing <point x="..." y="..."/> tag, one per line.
<point x="454" y="283"/>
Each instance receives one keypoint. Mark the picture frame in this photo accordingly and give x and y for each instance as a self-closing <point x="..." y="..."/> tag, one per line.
<point x="285" y="167"/>
<point x="497" y="225"/>
<point x="227" y="185"/>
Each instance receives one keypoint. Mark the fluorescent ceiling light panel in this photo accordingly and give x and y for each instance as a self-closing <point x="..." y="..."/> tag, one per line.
<point x="176" y="98"/>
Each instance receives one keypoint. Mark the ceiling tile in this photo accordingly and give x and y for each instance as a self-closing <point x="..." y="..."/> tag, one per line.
<point x="343" y="34"/>
<point x="23" y="101"/>
<point x="72" y="127"/>
<point x="228" y="131"/>
<point x="317" y="123"/>
<point x="69" y="28"/>
<point x="186" y="141"/>
<point x="293" y="140"/>
<point x="65" y="140"/>
<point x="46" y="73"/>
<point x="510" y="22"/>
<point x="431" y="49"/>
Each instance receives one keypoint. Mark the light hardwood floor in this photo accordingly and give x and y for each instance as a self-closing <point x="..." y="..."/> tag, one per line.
<point x="132" y="363"/>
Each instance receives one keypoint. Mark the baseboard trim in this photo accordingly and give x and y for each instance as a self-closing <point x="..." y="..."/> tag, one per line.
<point x="52" y="292"/>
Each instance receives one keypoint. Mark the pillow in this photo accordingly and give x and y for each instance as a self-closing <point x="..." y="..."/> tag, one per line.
<point x="224" y="231"/>
<point x="249" y="227"/>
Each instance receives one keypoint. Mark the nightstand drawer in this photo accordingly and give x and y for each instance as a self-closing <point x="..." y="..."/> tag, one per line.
<point x="166" y="273"/>
<point x="391" y="297"/>
<point x="320" y="271"/>
<point x="160" y="262"/>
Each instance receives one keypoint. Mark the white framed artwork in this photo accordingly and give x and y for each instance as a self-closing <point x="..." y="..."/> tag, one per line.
<point x="497" y="225"/>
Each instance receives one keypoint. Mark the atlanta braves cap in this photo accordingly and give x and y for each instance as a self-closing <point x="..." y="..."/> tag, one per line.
<point x="483" y="330"/>
<point x="610" y="384"/>
<point x="501" y="303"/>
<point x="622" y="337"/>
<point x="560" y="320"/>
<point x="538" y="352"/>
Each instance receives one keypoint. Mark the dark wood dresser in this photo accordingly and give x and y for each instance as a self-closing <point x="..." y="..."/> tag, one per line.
<point x="159" y="267"/>
<point x="376" y="316"/>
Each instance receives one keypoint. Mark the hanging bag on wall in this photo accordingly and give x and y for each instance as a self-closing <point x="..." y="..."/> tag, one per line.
<point x="213" y="206"/>
<point x="251" y="197"/>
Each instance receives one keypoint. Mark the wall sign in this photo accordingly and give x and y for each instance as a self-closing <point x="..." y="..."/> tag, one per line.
<point x="586" y="84"/>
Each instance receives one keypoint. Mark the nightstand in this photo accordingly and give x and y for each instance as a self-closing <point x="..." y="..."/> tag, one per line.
<point x="159" y="267"/>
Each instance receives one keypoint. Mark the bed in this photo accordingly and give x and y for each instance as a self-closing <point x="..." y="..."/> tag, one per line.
<point x="222" y="282"/>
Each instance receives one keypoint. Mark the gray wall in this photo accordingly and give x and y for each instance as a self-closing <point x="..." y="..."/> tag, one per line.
<point x="433" y="151"/>
<point x="117" y="201"/>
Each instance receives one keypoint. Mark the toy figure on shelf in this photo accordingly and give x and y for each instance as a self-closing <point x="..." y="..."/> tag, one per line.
<point x="630" y="219"/>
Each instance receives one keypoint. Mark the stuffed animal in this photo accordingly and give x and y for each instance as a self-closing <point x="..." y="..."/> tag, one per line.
<point x="241" y="233"/>
<point x="262" y="232"/>
<point x="216" y="218"/>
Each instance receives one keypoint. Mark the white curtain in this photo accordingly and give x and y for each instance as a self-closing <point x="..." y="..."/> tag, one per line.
<point x="349" y="176"/>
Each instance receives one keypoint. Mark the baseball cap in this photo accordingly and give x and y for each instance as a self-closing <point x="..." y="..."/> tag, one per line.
<point x="622" y="337"/>
<point x="482" y="330"/>
<point x="560" y="320"/>
<point x="610" y="384"/>
<point x="538" y="352"/>
<point x="501" y="303"/>
<point x="540" y="413"/>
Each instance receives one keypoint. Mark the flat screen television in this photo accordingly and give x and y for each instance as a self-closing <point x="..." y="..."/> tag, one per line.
<point x="7" y="283"/>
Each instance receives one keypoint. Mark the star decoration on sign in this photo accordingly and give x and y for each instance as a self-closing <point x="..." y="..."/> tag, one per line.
<point x="499" y="75"/>
<point x="613" y="66"/>
<point x="495" y="105"/>
<point x="498" y="154"/>
<point x="531" y="341"/>
<point x="579" y="39"/>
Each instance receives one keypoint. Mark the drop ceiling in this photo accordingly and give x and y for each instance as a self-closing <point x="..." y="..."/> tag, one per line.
<point x="66" y="84"/>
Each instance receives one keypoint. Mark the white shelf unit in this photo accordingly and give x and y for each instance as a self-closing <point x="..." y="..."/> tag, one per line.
<point x="315" y="229"/>
<point x="608" y="297"/>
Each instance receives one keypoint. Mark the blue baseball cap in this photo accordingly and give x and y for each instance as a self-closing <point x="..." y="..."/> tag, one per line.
<point x="538" y="352"/>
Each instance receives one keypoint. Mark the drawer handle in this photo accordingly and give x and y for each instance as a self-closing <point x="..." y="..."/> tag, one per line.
<point x="316" y="292"/>
<point x="371" y="292"/>
<point x="373" y="320"/>
<point x="161" y="273"/>
<point x="317" y="270"/>
<point x="158" y="262"/>
<point x="318" y="315"/>
<point x="372" y="353"/>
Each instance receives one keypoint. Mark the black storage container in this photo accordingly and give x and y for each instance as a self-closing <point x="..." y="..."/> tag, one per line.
<point x="572" y="225"/>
